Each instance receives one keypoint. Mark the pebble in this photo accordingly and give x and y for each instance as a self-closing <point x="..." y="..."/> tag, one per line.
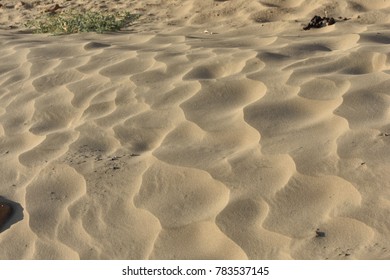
<point x="320" y="233"/>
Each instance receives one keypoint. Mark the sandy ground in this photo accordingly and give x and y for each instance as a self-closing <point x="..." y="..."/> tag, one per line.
<point x="206" y="130"/>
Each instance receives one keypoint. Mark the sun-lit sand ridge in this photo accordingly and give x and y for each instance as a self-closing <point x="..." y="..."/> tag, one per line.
<point x="206" y="130"/>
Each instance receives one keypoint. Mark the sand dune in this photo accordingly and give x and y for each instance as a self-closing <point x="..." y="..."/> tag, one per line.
<point x="215" y="130"/>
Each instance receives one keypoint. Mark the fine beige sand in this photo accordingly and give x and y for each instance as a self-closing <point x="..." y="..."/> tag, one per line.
<point x="205" y="130"/>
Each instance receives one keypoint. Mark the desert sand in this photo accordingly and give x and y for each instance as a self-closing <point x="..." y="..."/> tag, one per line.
<point x="205" y="130"/>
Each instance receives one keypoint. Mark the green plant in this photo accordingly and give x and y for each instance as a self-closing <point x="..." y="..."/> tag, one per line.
<point x="69" y="22"/>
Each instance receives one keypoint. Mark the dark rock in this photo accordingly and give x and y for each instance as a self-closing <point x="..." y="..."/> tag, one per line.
<point x="320" y="233"/>
<point x="318" y="22"/>
<point x="11" y="212"/>
<point x="5" y="213"/>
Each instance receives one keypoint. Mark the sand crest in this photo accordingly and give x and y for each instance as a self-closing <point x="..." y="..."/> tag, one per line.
<point x="215" y="130"/>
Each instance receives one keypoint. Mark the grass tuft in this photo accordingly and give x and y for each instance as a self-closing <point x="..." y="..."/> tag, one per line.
<point x="69" y="22"/>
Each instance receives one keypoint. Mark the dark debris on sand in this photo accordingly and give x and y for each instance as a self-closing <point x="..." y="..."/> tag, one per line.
<point x="320" y="233"/>
<point x="5" y="213"/>
<point x="11" y="212"/>
<point x="318" y="22"/>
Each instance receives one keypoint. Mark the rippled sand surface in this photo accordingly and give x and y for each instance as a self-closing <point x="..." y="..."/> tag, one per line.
<point x="216" y="130"/>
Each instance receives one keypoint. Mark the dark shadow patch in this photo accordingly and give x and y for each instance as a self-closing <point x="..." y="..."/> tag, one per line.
<point x="356" y="7"/>
<point x="375" y="38"/>
<point x="272" y="57"/>
<point x="95" y="45"/>
<point x="271" y="5"/>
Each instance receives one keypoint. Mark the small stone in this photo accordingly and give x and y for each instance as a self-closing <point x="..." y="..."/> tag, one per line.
<point x="330" y="21"/>
<point x="5" y="213"/>
<point x="320" y="233"/>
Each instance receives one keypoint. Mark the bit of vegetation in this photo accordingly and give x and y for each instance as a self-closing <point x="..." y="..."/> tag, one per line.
<point x="68" y="22"/>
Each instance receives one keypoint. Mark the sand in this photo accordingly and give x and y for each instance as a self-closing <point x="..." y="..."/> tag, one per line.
<point x="205" y="130"/>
